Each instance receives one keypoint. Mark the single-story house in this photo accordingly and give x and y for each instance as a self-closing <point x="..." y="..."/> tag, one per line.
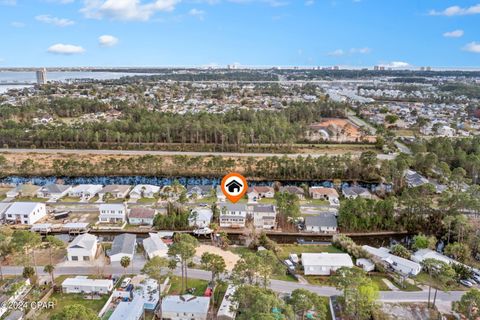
<point x="83" y="248"/>
<point x="123" y="246"/>
<point x="356" y="191"/>
<point x="200" y="217"/>
<point x="323" y="222"/>
<point x="81" y="284"/>
<point x="398" y="264"/>
<point x="232" y="215"/>
<point x="220" y="195"/>
<point x="199" y="191"/>
<point x="112" y="212"/>
<point x="366" y="264"/>
<point x="225" y="311"/>
<point x="142" y="216"/>
<point x="85" y="191"/>
<point x="128" y="310"/>
<point x="264" y="216"/>
<point x="25" y="212"/>
<point x="324" y="264"/>
<point x="423" y="254"/>
<point x="185" y="307"/>
<point x="115" y="190"/>
<point x="299" y="192"/>
<point x="23" y="190"/>
<point x="55" y="191"/>
<point x="259" y="192"/>
<point x="144" y="191"/>
<point x="154" y="246"/>
<point x="323" y="193"/>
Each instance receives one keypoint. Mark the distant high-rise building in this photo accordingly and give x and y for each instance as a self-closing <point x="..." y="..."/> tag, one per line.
<point x="41" y="76"/>
<point x="336" y="68"/>
<point x="429" y="68"/>
<point x="422" y="68"/>
<point x="376" y="68"/>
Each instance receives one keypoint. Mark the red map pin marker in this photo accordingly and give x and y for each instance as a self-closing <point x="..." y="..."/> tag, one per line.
<point x="234" y="186"/>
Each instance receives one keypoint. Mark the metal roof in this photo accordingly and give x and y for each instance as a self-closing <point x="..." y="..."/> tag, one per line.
<point x="124" y="243"/>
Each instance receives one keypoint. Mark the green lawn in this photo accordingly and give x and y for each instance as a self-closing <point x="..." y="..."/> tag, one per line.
<point x="284" y="277"/>
<point x="317" y="202"/>
<point x="220" y="290"/>
<point x="267" y="201"/>
<point x="287" y="249"/>
<point x="239" y="250"/>
<point x="62" y="300"/>
<point x="147" y="200"/>
<point x="209" y="200"/>
<point x="424" y="278"/>
<point x="31" y="199"/>
<point x="94" y="199"/>
<point x="199" y="285"/>
<point x="116" y="200"/>
<point x="69" y="199"/>
<point x="3" y="196"/>
<point x="378" y="279"/>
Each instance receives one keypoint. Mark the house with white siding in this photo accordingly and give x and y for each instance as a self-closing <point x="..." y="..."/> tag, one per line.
<point x="112" y="213"/>
<point x="25" y="212"/>
<point x="83" y="248"/>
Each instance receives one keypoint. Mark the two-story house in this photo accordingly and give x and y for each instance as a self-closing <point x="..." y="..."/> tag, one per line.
<point x="232" y="215"/>
<point x="112" y="213"/>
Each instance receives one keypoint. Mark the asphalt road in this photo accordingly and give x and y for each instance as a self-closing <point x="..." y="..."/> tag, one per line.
<point x="276" y="285"/>
<point x="174" y="153"/>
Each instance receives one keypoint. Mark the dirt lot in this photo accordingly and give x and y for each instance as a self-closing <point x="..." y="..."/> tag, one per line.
<point x="230" y="257"/>
<point x="89" y="217"/>
<point x="42" y="257"/>
<point x="408" y="311"/>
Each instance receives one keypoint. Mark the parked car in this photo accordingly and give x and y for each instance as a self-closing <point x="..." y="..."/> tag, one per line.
<point x="476" y="278"/>
<point x="289" y="265"/>
<point x="466" y="283"/>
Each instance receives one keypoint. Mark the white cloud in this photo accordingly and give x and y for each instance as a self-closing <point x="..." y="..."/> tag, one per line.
<point x="397" y="65"/>
<point x="59" y="22"/>
<point x="200" y="14"/>
<point x="309" y="2"/>
<point x="337" y="53"/>
<point x="67" y="49"/>
<point x="457" y="11"/>
<point x="61" y="1"/>
<point x="272" y="3"/>
<point x="472" y="47"/>
<point x="107" y="40"/>
<point x="361" y="50"/>
<point x="126" y="9"/>
<point x="454" y="34"/>
<point x="17" y="24"/>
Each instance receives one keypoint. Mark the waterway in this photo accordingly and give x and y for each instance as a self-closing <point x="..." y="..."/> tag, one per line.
<point x="162" y="181"/>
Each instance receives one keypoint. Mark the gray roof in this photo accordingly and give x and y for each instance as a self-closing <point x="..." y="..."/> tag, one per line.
<point x="268" y="208"/>
<point x="199" y="188"/>
<point x="54" y="188"/>
<point x="233" y="206"/>
<point x="321" y="220"/>
<point x="85" y="241"/>
<point x="292" y="189"/>
<point x="124" y="243"/>
<point x="354" y="191"/>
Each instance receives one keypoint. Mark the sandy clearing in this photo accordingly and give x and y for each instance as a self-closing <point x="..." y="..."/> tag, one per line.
<point x="230" y="257"/>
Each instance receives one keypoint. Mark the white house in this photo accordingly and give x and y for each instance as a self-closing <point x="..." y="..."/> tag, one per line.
<point x="128" y="310"/>
<point x="23" y="190"/>
<point x="233" y="215"/>
<point x="85" y="191"/>
<point x="199" y="191"/>
<point x="200" y="217"/>
<point x="259" y="192"/>
<point x="366" y="264"/>
<point x="185" y="307"/>
<point x="3" y="207"/>
<point x="423" y="254"/>
<point x="322" y="193"/>
<point x="123" y="246"/>
<point x="54" y="191"/>
<point x="264" y="216"/>
<point x="116" y="190"/>
<point x="83" y="248"/>
<point x="323" y="222"/>
<point x="112" y="213"/>
<point x="220" y="195"/>
<point x="81" y="284"/>
<point x="225" y="311"/>
<point x="154" y="246"/>
<point x="400" y="265"/>
<point x="323" y="264"/>
<point x="25" y="212"/>
<point x="142" y="216"/>
<point x="355" y="192"/>
<point x="144" y="191"/>
<point x="299" y="192"/>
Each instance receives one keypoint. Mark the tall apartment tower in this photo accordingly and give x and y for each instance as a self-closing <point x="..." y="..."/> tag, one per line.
<point x="41" y="76"/>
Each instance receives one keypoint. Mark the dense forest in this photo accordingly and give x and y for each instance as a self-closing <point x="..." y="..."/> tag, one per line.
<point x="138" y="127"/>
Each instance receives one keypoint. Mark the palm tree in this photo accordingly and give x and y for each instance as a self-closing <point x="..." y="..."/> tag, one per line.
<point x="125" y="262"/>
<point x="49" y="269"/>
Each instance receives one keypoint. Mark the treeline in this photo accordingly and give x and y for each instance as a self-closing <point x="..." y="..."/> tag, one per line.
<point x="138" y="126"/>
<point x="197" y="75"/>
<point x="270" y="168"/>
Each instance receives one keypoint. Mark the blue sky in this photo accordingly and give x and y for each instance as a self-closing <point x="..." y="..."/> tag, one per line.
<point x="356" y="33"/>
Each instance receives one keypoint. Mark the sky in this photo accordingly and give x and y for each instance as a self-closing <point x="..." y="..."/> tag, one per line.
<point x="349" y="33"/>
